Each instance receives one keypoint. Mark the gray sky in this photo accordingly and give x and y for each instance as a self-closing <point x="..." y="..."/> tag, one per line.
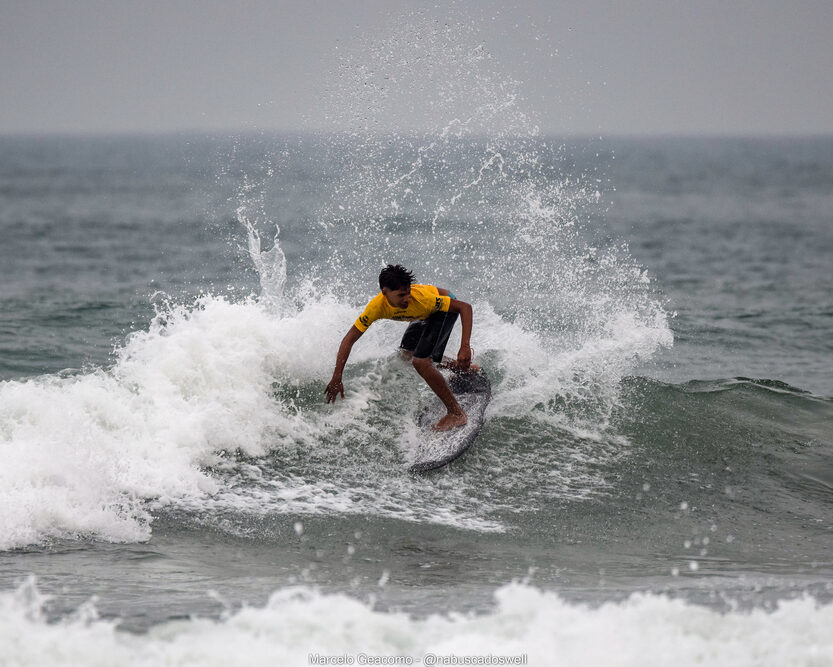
<point x="611" y="67"/>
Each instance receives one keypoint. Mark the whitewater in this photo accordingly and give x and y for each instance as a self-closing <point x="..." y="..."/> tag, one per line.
<point x="296" y="626"/>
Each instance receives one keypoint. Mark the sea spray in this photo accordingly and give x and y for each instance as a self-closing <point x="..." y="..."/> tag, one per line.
<point x="482" y="204"/>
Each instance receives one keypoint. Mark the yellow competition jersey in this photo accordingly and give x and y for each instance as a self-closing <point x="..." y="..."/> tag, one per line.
<point x="425" y="301"/>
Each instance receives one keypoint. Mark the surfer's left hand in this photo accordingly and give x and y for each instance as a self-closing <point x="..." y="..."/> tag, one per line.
<point x="464" y="357"/>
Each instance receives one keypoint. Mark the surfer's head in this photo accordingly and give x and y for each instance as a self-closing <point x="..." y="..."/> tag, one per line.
<point x="395" y="282"/>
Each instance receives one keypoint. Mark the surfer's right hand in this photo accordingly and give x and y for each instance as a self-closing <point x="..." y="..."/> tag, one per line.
<point x="334" y="389"/>
<point x="464" y="357"/>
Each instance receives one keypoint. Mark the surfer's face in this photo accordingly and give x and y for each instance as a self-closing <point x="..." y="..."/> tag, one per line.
<point x="399" y="298"/>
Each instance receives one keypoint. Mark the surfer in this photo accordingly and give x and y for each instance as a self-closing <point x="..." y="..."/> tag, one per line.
<point x="432" y="312"/>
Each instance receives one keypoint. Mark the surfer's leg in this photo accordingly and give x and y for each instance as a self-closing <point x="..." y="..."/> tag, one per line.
<point x="439" y="339"/>
<point x="423" y="349"/>
<point x="455" y="416"/>
<point x="443" y="332"/>
<point x="422" y="339"/>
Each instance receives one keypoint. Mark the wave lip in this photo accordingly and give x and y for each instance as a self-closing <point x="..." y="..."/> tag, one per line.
<point x="741" y="382"/>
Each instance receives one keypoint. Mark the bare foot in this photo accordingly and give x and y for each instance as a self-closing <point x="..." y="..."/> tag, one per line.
<point x="450" y="421"/>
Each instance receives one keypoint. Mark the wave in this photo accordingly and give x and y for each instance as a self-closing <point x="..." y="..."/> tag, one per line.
<point x="731" y="416"/>
<point x="214" y="415"/>
<point x="527" y="623"/>
<point x="217" y="407"/>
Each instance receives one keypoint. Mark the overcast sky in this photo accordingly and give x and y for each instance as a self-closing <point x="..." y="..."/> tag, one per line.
<point x="610" y="67"/>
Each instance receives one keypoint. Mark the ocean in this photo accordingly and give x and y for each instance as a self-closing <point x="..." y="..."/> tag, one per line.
<point x="653" y="483"/>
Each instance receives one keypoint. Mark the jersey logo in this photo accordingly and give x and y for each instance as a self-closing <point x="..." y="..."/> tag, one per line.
<point x="439" y="304"/>
<point x="364" y="320"/>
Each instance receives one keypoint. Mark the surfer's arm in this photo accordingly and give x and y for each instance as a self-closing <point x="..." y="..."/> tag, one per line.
<point x="464" y="309"/>
<point x="336" y="387"/>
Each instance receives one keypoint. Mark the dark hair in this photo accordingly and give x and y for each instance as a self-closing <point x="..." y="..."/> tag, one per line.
<point x="395" y="277"/>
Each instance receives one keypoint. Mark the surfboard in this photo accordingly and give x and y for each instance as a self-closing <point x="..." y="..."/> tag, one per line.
<point x="438" y="448"/>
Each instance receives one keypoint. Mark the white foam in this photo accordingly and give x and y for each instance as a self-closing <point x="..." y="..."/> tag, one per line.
<point x="80" y="454"/>
<point x="644" y="630"/>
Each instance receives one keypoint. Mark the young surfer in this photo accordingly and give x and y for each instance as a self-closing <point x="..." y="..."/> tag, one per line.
<point x="432" y="312"/>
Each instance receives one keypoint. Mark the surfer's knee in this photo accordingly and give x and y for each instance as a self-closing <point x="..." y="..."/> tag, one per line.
<point x="421" y="363"/>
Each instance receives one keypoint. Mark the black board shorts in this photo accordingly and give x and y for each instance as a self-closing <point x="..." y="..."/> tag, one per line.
<point x="428" y="338"/>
